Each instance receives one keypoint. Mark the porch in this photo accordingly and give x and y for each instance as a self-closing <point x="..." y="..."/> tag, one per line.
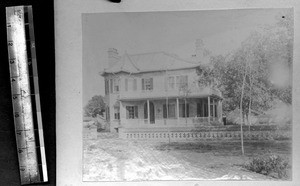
<point x="171" y="112"/>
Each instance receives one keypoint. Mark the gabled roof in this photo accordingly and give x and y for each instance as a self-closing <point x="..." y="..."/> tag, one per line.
<point x="149" y="62"/>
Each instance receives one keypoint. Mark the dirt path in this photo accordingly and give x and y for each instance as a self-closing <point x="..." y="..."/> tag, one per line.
<point x="111" y="159"/>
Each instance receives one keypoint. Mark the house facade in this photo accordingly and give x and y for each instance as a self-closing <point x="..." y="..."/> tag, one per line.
<point x="157" y="92"/>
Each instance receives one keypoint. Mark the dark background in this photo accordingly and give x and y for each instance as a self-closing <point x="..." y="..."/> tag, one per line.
<point x="43" y="15"/>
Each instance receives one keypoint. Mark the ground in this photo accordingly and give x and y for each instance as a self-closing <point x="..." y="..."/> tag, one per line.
<point x="112" y="159"/>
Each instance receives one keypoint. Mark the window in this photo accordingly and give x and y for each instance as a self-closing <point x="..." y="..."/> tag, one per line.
<point x="116" y="85"/>
<point x="106" y="87"/>
<point x="147" y="84"/>
<point x="131" y="112"/>
<point x="182" y="110"/>
<point x="182" y="82"/>
<point x="171" y="83"/>
<point x="130" y="84"/>
<point x="171" y="111"/>
<point x="134" y="86"/>
<point x="117" y="113"/>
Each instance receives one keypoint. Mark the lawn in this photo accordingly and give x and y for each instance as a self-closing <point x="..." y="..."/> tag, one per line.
<point x="109" y="158"/>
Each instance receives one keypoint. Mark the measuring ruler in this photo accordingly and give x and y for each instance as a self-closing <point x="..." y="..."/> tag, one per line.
<point x="25" y="95"/>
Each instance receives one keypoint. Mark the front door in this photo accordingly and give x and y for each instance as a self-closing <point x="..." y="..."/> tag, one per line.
<point x="152" y="112"/>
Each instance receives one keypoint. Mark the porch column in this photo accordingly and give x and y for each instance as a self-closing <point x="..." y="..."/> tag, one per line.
<point x="208" y="104"/>
<point x="221" y="110"/>
<point x="122" y="114"/>
<point x="202" y="111"/>
<point x="148" y="111"/>
<point x="177" y="105"/>
<point x="213" y="109"/>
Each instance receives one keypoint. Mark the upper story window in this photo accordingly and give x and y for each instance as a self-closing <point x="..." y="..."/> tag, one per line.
<point x="182" y="82"/>
<point x="112" y="85"/>
<point x="147" y="84"/>
<point x="171" y="82"/>
<point x="116" y="85"/>
<point x="130" y="84"/>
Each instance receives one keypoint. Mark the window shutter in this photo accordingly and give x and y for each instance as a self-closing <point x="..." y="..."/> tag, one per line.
<point x="143" y="84"/>
<point x="166" y="83"/>
<point x="136" y="112"/>
<point x="134" y="84"/>
<point x="151" y="83"/>
<point x="145" y="111"/>
<point x="187" y="110"/>
<point x="126" y="84"/>
<point x="111" y="86"/>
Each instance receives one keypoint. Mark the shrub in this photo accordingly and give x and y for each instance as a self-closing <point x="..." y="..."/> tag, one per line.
<point x="269" y="165"/>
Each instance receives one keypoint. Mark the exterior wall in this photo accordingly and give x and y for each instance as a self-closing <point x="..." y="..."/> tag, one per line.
<point x="158" y="96"/>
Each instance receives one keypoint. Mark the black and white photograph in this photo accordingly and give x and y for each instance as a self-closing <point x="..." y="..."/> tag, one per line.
<point x="188" y="95"/>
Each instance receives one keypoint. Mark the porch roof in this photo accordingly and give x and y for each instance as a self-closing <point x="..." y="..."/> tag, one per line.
<point x="141" y="98"/>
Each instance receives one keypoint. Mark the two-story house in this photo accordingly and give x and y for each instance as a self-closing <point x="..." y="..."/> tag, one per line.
<point x="157" y="91"/>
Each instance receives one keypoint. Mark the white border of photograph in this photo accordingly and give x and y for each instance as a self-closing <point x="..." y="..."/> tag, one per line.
<point x="68" y="33"/>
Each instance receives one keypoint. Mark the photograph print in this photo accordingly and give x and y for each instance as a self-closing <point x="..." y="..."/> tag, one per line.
<point x="188" y="95"/>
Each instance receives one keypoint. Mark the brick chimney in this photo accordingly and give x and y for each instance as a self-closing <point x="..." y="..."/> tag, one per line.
<point x="113" y="56"/>
<point x="202" y="54"/>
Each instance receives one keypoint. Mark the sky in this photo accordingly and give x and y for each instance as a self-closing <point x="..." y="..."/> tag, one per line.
<point x="221" y="31"/>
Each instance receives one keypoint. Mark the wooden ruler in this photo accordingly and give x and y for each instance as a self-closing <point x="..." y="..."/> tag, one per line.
<point x="25" y="95"/>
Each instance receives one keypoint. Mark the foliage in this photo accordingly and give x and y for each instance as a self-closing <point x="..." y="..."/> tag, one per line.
<point x="95" y="106"/>
<point x="268" y="165"/>
<point x="264" y="60"/>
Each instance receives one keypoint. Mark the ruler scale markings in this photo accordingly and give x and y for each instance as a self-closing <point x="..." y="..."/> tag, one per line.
<point x="25" y="94"/>
<point x="37" y="96"/>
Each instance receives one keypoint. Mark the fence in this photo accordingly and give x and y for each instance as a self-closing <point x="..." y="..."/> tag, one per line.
<point x="209" y="134"/>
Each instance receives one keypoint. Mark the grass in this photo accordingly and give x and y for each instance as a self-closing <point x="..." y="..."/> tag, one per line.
<point x="228" y="148"/>
<point x="276" y="155"/>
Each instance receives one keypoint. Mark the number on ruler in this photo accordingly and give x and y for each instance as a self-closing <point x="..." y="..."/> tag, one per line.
<point x="8" y="25"/>
<point x="12" y="61"/>
<point x="10" y="43"/>
<point x="17" y="115"/>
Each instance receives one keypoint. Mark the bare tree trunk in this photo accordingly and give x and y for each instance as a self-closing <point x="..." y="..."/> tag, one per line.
<point x="241" y="114"/>
<point x="250" y="95"/>
<point x="185" y="110"/>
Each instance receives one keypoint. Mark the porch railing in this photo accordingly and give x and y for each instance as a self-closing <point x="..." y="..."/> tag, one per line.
<point x="162" y="122"/>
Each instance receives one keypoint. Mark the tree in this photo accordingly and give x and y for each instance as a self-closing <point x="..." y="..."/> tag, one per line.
<point x="95" y="105"/>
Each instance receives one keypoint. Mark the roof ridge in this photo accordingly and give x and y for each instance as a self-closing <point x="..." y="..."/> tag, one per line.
<point x="145" y="53"/>
<point x="179" y="58"/>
